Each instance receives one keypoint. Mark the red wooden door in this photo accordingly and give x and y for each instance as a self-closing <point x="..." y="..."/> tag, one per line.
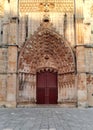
<point x="47" y="87"/>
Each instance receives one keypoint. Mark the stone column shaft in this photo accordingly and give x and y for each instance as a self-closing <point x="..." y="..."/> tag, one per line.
<point x="81" y="77"/>
<point x="12" y="64"/>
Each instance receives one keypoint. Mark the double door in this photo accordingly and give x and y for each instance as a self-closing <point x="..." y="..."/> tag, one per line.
<point x="47" y="87"/>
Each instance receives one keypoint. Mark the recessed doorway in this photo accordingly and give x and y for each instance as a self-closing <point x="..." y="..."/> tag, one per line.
<point x="47" y="91"/>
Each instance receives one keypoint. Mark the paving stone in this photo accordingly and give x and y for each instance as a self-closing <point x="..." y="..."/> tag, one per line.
<point x="7" y="129"/>
<point x="46" y="119"/>
<point x="43" y="129"/>
<point x="52" y="129"/>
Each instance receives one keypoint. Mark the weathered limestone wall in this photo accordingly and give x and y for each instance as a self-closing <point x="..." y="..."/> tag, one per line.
<point x="89" y="72"/>
<point x="89" y="78"/>
<point x="3" y="55"/>
<point x="3" y="59"/>
<point x="12" y="76"/>
<point x="8" y="54"/>
<point x="12" y="64"/>
<point x="84" y="52"/>
<point x="81" y="76"/>
<point x="80" y="56"/>
<point x="13" y="8"/>
<point x="0" y="30"/>
<point x="3" y="76"/>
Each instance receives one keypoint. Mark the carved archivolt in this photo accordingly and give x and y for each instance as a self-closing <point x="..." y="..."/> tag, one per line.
<point x="46" y="49"/>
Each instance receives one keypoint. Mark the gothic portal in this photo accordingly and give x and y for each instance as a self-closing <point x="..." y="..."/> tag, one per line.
<point x="46" y="51"/>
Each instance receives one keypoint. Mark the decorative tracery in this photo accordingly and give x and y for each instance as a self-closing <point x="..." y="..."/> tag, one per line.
<point x="46" y="6"/>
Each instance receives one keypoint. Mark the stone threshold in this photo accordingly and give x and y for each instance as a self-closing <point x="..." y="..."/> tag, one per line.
<point x="68" y="105"/>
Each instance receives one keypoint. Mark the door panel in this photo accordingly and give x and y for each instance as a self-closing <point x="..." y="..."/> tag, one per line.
<point x="51" y="80"/>
<point x="41" y="96"/>
<point x="41" y="80"/>
<point x="52" y="96"/>
<point x="47" y="87"/>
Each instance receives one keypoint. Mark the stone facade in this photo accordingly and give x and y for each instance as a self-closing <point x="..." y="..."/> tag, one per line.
<point x="54" y="35"/>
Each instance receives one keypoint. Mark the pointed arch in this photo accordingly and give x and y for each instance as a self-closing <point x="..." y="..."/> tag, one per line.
<point x="47" y="50"/>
